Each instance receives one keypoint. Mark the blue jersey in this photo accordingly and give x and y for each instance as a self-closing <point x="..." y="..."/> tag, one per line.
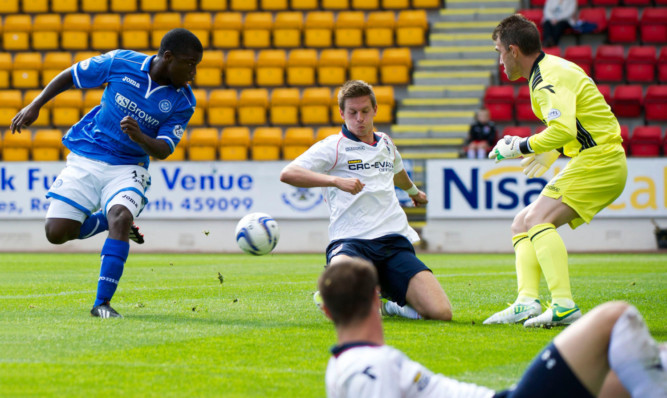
<point x="162" y="112"/>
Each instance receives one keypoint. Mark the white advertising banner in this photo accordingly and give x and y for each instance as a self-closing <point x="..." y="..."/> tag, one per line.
<point x="483" y="189"/>
<point x="179" y="190"/>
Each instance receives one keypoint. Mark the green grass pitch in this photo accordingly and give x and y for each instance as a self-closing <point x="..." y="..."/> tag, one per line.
<point x="258" y="333"/>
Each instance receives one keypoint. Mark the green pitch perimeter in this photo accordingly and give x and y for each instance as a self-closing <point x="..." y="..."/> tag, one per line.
<point x="257" y="333"/>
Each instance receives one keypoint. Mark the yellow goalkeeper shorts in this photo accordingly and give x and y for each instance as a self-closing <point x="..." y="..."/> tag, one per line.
<point x="591" y="181"/>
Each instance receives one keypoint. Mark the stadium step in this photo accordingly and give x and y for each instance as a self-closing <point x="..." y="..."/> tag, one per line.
<point x="432" y="154"/>
<point x="455" y="64"/>
<point x="464" y="26"/>
<point x="451" y="4"/>
<point x="491" y="14"/>
<point x="440" y="104"/>
<point x="434" y="117"/>
<point x="448" y="78"/>
<point x="461" y="39"/>
<point x="447" y="91"/>
<point x="461" y="52"/>
<point x="427" y="142"/>
<point x="433" y="130"/>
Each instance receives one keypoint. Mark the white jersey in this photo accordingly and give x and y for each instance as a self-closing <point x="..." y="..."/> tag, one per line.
<point x="373" y="212"/>
<point x="370" y="371"/>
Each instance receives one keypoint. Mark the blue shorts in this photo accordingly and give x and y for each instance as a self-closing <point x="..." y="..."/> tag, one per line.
<point x="394" y="259"/>
<point x="548" y="376"/>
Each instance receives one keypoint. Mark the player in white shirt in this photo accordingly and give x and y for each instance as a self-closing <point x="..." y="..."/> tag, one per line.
<point x="358" y="169"/>
<point x="607" y="353"/>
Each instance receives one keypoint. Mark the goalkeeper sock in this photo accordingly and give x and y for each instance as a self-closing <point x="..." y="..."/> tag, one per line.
<point x="527" y="269"/>
<point x="552" y="257"/>
<point x="114" y="255"/>
<point x="93" y="225"/>
<point x="635" y="357"/>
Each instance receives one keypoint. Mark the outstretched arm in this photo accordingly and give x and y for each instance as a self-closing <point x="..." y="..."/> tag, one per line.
<point x="303" y="178"/>
<point x="403" y="181"/>
<point x="30" y="113"/>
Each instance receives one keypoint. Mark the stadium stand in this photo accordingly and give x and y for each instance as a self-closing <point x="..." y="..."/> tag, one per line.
<point x="266" y="143"/>
<point x="16" y="147"/>
<point x="47" y="145"/>
<point x="203" y="144"/>
<point x="296" y="141"/>
<point x="234" y="143"/>
<point x="645" y="141"/>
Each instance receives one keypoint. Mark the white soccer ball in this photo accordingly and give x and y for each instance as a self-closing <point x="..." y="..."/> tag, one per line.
<point x="257" y="233"/>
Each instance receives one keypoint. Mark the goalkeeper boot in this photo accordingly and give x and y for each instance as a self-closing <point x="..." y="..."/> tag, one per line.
<point x="555" y="315"/>
<point x="104" y="310"/>
<point x="515" y="313"/>
<point x="135" y="235"/>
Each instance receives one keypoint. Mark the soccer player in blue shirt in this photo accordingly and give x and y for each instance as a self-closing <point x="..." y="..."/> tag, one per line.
<point x="144" y="110"/>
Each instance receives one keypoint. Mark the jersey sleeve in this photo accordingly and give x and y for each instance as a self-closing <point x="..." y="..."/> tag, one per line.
<point x="93" y="72"/>
<point x="321" y="157"/>
<point x="173" y="128"/>
<point x="558" y="105"/>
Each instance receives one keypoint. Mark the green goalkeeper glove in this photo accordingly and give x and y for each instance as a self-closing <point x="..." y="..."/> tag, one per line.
<point x="536" y="166"/>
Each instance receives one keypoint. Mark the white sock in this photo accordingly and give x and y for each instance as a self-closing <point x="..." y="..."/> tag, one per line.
<point x="525" y="300"/>
<point x="406" y="311"/>
<point x="635" y="357"/>
<point x="481" y="153"/>
<point x="471" y="153"/>
<point x="567" y="303"/>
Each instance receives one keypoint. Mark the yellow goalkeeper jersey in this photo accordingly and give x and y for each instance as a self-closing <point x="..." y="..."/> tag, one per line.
<point x="570" y="104"/>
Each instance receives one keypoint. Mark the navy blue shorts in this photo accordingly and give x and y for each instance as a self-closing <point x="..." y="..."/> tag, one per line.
<point x="394" y="259"/>
<point x="548" y="376"/>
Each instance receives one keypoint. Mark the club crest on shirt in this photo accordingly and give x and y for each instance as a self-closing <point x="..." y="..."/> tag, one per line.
<point x="553" y="114"/>
<point x="165" y="105"/>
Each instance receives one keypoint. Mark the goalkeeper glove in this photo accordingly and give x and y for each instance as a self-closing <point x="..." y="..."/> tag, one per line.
<point x="508" y="147"/>
<point x="536" y="166"/>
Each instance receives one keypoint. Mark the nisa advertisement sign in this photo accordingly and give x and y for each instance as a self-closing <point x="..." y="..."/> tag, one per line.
<point x="476" y="189"/>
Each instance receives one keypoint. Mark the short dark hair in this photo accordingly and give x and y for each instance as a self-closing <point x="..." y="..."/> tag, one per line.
<point x="519" y="31"/>
<point x="355" y="89"/>
<point x="179" y="41"/>
<point x="347" y="289"/>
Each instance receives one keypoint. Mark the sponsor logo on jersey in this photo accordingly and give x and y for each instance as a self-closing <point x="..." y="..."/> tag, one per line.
<point x="355" y="148"/>
<point x="359" y="165"/>
<point x="553" y="114"/>
<point x="130" y="81"/>
<point x="165" y="105"/>
<point x="139" y="114"/>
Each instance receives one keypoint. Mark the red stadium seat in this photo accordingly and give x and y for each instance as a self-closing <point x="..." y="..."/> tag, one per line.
<point x="637" y="3"/>
<point x="625" y="135"/>
<point x="655" y="103"/>
<point x="519" y="131"/>
<point x="627" y="101"/>
<point x="582" y="56"/>
<point x="640" y="64"/>
<point x="653" y="25"/>
<point x="499" y="100"/>
<point x="524" y="109"/>
<point x="605" y="3"/>
<point x="596" y="15"/>
<point x="646" y="141"/>
<point x="623" y="23"/>
<point x="662" y="66"/>
<point x="605" y="90"/>
<point x="608" y="64"/>
<point x="535" y="15"/>
<point x="552" y="51"/>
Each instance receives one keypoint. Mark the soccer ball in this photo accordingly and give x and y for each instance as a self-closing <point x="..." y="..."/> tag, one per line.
<point x="257" y="233"/>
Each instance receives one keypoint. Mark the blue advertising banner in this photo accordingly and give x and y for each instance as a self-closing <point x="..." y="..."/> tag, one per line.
<point x="179" y="190"/>
<point x="480" y="189"/>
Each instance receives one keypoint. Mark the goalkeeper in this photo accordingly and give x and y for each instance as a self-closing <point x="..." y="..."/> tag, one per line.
<point x="581" y="126"/>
